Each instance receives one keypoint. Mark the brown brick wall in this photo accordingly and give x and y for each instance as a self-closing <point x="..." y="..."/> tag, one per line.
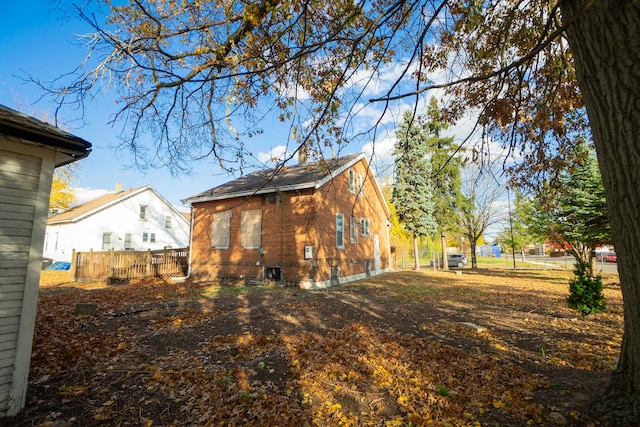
<point x="290" y="221"/>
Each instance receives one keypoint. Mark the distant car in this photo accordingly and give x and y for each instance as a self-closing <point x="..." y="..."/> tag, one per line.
<point x="607" y="257"/>
<point x="454" y="260"/>
<point x="457" y="260"/>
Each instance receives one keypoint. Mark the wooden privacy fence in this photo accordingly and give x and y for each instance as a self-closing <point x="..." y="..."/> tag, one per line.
<point x="124" y="265"/>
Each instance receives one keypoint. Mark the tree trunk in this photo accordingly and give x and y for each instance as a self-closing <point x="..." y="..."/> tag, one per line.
<point x="605" y="42"/>
<point x="416" y="253"/>
<point x="474" y="260"/>
<point x="445" y="263"/>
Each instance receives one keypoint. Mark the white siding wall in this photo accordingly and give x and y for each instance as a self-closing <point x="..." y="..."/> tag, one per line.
<point x="25" y="184"/>
<point x="119" y="219"/>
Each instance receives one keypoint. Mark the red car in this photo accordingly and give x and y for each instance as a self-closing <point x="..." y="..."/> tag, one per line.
<point x="611" y="257"/>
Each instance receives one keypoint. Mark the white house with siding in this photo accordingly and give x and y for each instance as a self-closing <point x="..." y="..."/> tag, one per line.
<point x="29" y="151"/>
<point x="135" y="219"/>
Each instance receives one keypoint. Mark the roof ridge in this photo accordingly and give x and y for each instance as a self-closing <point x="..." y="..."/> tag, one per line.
<point x="284" y="178"/>
<point x="93" y="204"/>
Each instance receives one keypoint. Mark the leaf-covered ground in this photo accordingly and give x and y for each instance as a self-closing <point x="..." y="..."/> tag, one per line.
<point x="389" y="351"/>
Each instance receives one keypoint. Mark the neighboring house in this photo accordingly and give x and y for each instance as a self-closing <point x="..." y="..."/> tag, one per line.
<point x="29" y="151"/>
<point x="315" y="225"/>
<point x="135" y="219"/>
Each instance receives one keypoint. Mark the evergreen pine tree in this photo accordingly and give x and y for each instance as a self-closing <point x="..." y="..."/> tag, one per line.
<point x="412" y="190"/>
<point x="445" y="173"/>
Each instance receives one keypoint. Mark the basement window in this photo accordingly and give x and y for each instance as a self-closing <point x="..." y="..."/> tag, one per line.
<point x="273" y="273"/>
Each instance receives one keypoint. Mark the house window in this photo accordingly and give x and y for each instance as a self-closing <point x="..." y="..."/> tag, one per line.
<point x="365" y="227"/>
<point x="251" y="228"/>
<point x="352" y="185"/>
<point x="353" y="230"/>
<point x="106" y="241"/>
<point x="167" y="222"/>
<point x="145" y="237"/>
<point x="152" y="239"/>
<point x="360" y="184"/>
<point x="221" y="229"/>
<point x="339" y="231"/>
<point x="143" y="212"/>
<point x="127" y="240"/>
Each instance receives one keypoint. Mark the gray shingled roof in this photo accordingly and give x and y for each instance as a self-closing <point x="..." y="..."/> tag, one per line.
<point x="310" y="175"/>
<point x="36" y="132"/>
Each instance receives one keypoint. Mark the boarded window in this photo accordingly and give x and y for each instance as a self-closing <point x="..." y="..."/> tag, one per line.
<point x="339" y="231"/>
<point x="220" y="230"/>
<point x="353" y="230"/>
<point x="251" y="228"/>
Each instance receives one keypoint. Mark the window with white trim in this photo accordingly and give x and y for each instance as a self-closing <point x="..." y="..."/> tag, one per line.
<point x="221" y="230"/>
<point x="365" y="227"/>
<point x="360" y="182"/>
<point x="143" y="212"/>
<point x="145" y="237"/>
<point x="339" y="231"/>
<point x="106" y="241"/>
<point x="167" y="222"/>
<point x="251" y="228"/>
<point x="127" y="240"/>
<point x="352" y="184"/>
<point x="152" y="238"/>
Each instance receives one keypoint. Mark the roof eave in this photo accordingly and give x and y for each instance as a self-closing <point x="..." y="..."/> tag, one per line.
<point x="34" y="132"/>
<point x="237" y="194"/>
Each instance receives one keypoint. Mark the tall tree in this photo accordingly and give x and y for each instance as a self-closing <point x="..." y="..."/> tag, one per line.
<point x="517" y="234"/>
<point x="482" y="206"/>
<point x="574" y="216"/>
<point x="412" y="190"/>
<point x="445" y="162"/>
<point x="191" y="75"/>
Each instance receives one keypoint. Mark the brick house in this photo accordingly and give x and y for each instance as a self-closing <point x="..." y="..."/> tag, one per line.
<point x="314" y="224"/>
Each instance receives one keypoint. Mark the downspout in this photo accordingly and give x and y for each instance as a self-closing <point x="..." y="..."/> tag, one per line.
<point x="389" y="265"/>
<point x="176" y="279"/>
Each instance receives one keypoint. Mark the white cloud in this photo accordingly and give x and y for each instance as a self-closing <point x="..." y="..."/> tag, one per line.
<point x="276" y="154"/>
<point x="379" y="153"/>
<point x="83" y="195"/>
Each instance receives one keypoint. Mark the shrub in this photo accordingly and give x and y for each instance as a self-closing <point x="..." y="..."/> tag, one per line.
<point x="585" y="291"/>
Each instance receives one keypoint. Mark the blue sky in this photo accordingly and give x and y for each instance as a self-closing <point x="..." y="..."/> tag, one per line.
<point x="36" y="41"/>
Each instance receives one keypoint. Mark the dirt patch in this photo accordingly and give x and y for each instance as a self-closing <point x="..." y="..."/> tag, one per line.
<point x="387" y="351"/>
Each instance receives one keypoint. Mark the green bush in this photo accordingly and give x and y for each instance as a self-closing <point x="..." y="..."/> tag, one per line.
<point x="585" y="291"/>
